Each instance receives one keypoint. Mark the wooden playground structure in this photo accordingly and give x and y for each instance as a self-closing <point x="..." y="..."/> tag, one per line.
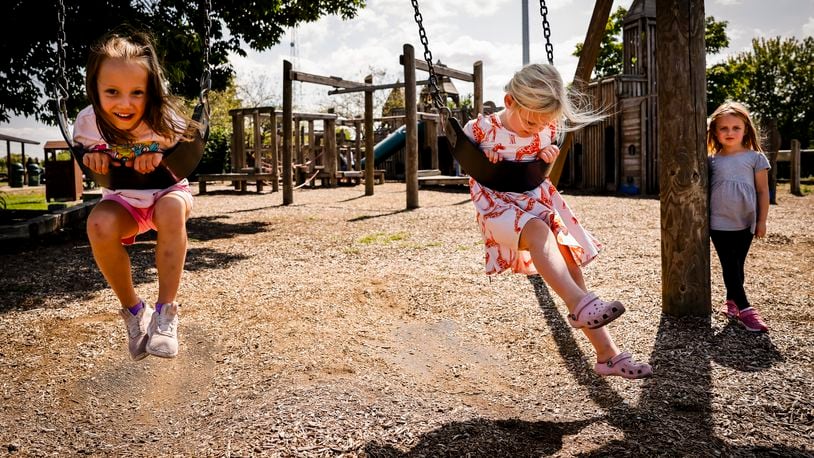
<point x="635" y="146"/>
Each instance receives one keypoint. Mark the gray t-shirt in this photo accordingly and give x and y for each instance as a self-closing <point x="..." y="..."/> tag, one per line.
<point x="733" y="198"/>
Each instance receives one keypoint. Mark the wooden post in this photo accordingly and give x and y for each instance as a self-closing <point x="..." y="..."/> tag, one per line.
<point x="258" y="141"/>
<point x="411" y="158"/>
<point x="477" y="82"/>
<point x="585" y="65"/>
<point x="297" y="152"/>
<point x="794" y="181"/>
<point x="288" y="189"/>
<point x="312" y="148"/>
<point x="357" y="145"/>
<point x="275" y="172"/>
<point x="772" y="150"/>
<point x="431" y="137"/>
<point x="369" y="158"/>
<point x="331" y="151"/>
<point x="683" y="168"/>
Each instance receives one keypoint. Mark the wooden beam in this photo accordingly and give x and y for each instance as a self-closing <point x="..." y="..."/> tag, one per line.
<point x="333" y="81"/>
<point x="683" y="169"/>
<point x="372" y="88"/>
<point x="587" y="61"/>
<point x="440" y="70"/>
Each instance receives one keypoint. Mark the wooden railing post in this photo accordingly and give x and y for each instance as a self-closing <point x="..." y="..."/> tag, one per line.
<point x="794" y="181"/>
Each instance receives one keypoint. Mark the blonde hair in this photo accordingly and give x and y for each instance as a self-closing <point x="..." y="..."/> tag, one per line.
<point x="750" y="137"/>
<point x="539" y="88"/>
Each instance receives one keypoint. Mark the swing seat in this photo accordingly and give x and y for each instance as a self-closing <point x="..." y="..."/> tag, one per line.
<point x="505" y="176"/>
<point x="178" y="162"/>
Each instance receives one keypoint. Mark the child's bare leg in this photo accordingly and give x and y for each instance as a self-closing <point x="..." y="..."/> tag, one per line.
<point x="107" y="225"/>
<point x="538" y="239"/>
<point x="600" y="338"/>
<point x="170" y="218"/>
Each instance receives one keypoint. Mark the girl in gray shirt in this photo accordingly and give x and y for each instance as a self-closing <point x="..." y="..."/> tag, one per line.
<point x="739" y="202"/>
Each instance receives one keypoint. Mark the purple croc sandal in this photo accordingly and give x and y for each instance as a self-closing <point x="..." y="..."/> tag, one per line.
<point x="623" y="365"/>
<point x="592" y="312"/>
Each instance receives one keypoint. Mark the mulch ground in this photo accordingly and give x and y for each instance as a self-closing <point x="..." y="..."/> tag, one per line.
<point x="344" y="325"/>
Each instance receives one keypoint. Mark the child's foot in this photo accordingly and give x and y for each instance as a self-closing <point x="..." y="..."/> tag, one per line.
<point x="137" y="330"/>
<point x="731" y="309"/>
<point x="623" y="365"/>
<point x="752" y="321"/>
<point x="163" y="332"/>
<point x="592" y="312"/>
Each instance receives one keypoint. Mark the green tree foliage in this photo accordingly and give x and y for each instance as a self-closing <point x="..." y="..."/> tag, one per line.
<point x="775" y="80"/>
<point x="611" y="51"/>
<point x="609" y="61"/>
<point x="28" y="59"/>
<point x="715" y="38"/>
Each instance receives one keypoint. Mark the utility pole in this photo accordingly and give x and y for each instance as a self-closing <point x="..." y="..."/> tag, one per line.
<point x="525" y="31"/>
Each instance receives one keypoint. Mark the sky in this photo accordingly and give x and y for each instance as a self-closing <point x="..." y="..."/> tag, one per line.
<point x="460" y="32"/>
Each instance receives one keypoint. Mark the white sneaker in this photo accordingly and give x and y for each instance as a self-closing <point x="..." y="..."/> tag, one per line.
<point x="162" y="334"/>
<point x="137" y="326"/>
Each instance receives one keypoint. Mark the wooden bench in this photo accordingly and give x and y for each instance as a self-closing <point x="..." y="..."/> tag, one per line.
<point x="242" y="179"/>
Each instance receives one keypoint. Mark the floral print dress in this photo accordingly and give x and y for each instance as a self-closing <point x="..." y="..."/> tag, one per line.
<point x="502" y="215"/>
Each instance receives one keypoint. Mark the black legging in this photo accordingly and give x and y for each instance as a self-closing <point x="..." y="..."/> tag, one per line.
<point x="732" y="248"/>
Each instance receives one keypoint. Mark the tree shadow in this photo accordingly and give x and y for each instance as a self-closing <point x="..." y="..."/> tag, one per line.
<point x="673" y="416"/>
<point x="487" y="438"/>
<point x="209" y="228"/>
<point x="64" y="267"/>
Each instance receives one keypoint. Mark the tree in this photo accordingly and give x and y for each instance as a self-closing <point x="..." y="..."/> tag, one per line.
<point x="775" y="80"/>
<point x="609" y="61"/>
<point x="30" y="65"/>
<point x="611" y="51"/>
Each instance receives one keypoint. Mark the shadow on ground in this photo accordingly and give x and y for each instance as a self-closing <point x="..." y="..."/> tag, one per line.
<point x="673" y="414"/>
<point x="34" y="273"/>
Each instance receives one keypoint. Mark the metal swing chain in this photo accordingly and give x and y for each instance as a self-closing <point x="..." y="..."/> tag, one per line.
<point x="62" y="78"/>
<point x="435" y="93"/>
<point x="206" y="78"/>
<point x="549" y="49"/>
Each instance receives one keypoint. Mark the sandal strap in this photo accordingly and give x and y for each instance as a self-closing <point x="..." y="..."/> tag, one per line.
<point x="618" y="359"/>
<point x="586" y="300"/>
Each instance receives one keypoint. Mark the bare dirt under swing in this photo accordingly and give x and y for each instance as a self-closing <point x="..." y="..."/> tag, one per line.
<point x="345" y="325"/>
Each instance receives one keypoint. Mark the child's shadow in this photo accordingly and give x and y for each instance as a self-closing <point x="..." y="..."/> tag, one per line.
<point x="742" y="350"/>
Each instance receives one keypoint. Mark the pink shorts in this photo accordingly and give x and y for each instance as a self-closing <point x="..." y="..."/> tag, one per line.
<point x="144" y="216"/>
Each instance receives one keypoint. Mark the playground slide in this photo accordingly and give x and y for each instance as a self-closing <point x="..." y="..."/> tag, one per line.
<point x="392" y="144"/>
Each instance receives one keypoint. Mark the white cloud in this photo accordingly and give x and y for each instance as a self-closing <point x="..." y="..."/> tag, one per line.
<point x="808" y="28"/>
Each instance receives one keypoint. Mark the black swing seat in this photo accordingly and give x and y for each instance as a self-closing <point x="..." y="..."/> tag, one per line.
<point x="505" y="176"/>
<point x="178" y="162"/>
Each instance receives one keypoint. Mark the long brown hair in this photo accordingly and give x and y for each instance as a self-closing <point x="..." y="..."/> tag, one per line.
<point x="751" y="138"/>
<point x="162" y="113"/>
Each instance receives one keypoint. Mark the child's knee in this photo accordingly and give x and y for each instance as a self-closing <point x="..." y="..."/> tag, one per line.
<point x="534" y="231"/>
<point x="102" y="225"/>
<point x="170" y="213"/>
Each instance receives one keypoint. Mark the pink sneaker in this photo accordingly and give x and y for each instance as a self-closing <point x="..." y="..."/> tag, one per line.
<point x="731" y="311"/>
<point x="752" y="321"/>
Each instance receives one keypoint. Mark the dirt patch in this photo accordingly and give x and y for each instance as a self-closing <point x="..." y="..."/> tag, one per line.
<point x="345" y="325"/>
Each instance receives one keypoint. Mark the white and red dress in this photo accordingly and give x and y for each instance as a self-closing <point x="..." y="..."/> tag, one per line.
<point x="502" y="215"/>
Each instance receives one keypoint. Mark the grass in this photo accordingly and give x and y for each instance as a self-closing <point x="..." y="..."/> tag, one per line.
<point x="28" y="200"/>
<point x="382" y="238"/>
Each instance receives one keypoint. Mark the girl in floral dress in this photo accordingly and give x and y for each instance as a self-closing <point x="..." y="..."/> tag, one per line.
<point x="535" y="231"/>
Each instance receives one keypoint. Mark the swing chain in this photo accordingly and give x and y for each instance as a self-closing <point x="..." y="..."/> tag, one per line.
<point x="206" y="77"/>
<point x="435" y="93"/>
<point x="62" y="78"/>
<point x="549" y="48"/>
